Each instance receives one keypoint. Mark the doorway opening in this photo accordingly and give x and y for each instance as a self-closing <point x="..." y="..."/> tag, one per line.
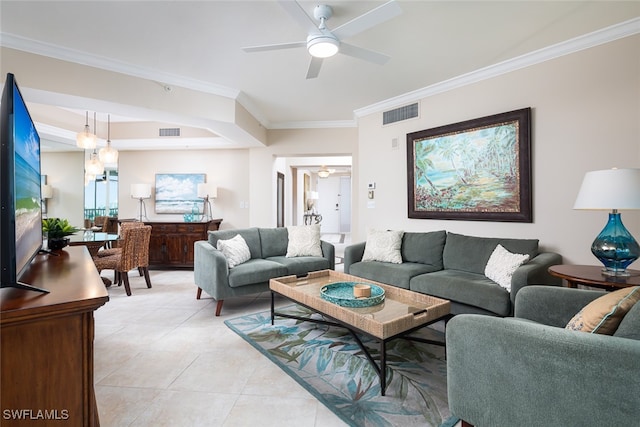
<point x="319" y="191"/>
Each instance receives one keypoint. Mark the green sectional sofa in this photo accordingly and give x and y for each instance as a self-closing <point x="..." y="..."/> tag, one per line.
<point x="452" y="266"/>
<point x="530" y="371"/>
<point x="268" y="248"/>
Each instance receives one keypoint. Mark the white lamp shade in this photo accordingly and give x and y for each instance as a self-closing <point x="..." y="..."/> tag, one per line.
<point x="141" y="191"/>
<point x="207" y="190"/>
<point x="47" y="191"/>
<point x="610" y="189"/>
<point x="312" y="195"/>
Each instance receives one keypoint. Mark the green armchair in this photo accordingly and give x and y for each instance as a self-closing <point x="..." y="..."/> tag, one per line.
<point x="530" y="371"/>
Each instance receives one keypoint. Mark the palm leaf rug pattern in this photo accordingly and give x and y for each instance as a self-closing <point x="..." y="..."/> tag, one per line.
<point x="328" y="363"/>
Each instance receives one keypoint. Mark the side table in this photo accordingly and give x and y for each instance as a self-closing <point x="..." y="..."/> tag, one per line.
<point x="591" y="275"/>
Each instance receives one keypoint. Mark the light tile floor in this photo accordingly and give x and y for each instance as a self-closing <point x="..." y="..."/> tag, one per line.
<point x="163" y="359"/>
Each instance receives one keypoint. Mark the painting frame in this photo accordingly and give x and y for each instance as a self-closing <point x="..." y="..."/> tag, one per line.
<point x="177" y="193"/>
<point x="475" y="170"/>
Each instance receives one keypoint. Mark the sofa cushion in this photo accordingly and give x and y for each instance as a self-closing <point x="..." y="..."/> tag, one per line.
<point x="604" y="314"/>
<point x="424" y="248"/>
<point x="304" y="240"/>
<point x="250" y="235"/>
<point x="384" y="246"/>
<point x="464" y="287"/>
<point x="273" y="241"/>
<point x="471" y="254"/>
<point x="392" y="274"/>
<point x="502" y="264"/>
<point x="301" y="266"/>
<point x="630" y="325"/>
<point x="235" y="250"/>
<point x="255" y="271"/>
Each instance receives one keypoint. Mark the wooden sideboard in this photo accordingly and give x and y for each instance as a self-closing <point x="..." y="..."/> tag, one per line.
<point x="171" y="243"/>
<point x="47" y="343"/>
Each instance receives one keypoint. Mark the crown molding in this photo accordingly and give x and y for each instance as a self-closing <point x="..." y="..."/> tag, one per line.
<point x="596" y="38"/>
<point x="13" y="41"/>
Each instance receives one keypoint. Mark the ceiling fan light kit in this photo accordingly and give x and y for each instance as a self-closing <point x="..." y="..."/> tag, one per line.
<point x="322" y="46"/>
<point x="323" y="43"/>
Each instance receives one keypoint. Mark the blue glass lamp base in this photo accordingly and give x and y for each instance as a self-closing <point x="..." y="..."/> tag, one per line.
<point x="615" y="247"/>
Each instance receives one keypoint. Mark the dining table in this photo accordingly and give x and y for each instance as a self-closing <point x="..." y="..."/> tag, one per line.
<point x="92" y="240"/>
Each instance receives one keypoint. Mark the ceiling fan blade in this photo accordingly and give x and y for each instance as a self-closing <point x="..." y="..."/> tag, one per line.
<point x="364" y="54"/>
<point x="274" y="46"/>
<point x="314" y="67"/>
<point x="300" y="16"/>
<point x="376" y="16"/>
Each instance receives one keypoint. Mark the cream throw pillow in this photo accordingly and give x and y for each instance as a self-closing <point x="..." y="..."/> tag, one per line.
<point x="384" y="246"/>
<point x="304" y="240"/>
<point x="502" y="264"/>
<point x="235" y="250"/>
<point x="604" y="314"/>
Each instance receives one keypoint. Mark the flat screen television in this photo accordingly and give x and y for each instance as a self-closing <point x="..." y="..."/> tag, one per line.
<point x="20" y="198"/>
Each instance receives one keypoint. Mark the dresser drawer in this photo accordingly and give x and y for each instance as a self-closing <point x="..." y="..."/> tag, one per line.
<point x="191" y="228"/>
<point x="164" y="228"/>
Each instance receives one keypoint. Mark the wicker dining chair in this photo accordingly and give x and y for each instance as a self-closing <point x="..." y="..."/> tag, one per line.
<point x="117" y="246"/>
<point x="134" y="254"/>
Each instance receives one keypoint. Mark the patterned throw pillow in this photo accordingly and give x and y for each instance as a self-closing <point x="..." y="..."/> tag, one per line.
<point x="604" y="314"/>
<point x="383" y="246"/>
<point x="502" y="264"/>
<point x="235" y="250"/>
<point x="304" y="240"/>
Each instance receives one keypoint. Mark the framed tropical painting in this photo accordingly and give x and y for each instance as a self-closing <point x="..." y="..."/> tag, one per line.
<point x="476" y="170"/>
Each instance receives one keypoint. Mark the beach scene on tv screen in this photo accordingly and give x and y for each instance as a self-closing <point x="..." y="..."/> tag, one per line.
<point x="27" y="184"/>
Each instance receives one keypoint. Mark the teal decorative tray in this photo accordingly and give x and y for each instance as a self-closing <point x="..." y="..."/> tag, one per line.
<point x="341" y="293"/>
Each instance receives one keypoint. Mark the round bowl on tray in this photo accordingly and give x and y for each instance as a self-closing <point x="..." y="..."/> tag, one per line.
<point x="341" y="293"/>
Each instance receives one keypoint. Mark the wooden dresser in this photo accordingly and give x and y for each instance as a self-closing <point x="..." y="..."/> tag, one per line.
<point x="47" y="343"/>
<point x="172" y="242"/>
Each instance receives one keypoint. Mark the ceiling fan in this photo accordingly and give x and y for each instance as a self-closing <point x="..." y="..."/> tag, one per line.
<point x="323" y="43"/>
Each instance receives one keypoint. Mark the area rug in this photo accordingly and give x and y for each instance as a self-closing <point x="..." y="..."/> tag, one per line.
<point x="328" y="363"/>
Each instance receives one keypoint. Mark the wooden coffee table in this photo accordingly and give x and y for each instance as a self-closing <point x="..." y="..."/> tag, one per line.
<point x="401" y="312"/>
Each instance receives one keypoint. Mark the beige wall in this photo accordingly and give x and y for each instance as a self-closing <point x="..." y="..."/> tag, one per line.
<point x="65" y="173"/>
<point x="586" y="116"/>
<point x="225" y="168"/>
<point x="263" y="167"/>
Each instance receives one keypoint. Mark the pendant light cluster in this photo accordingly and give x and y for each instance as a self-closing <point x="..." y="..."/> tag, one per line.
<point x="86" y="140"/>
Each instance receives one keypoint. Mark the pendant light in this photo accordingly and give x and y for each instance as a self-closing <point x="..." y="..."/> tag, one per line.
<point x="86" y="139"/>
<point x="108" y="154"/>
<point x="93" y="166"/>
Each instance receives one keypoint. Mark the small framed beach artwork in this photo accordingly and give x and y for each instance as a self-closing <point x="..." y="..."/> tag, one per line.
<point x="177" y="193"/>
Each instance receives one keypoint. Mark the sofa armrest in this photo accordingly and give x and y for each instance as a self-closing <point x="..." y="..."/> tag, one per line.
<point x="352" y="254"/>
<point x="329" y="252"/>
<point x="551" y="305"/>
<point x="210" y="268"/>
<point x="535" y="272"/>
<point x="511" y="372"/>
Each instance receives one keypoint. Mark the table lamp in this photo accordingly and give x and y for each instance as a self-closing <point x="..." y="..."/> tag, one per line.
<point x="312" y="197"/>
<point x="207" y="191"/>
<point x="612" y="189"/>
<point x="141" y="192"/>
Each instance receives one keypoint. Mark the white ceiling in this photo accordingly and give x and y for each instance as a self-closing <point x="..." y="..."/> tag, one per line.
<point x="198" y="44"/>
